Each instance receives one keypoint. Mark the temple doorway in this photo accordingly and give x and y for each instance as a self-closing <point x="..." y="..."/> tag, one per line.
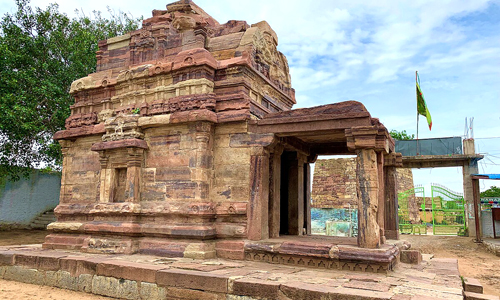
<point x="294" y="195"/>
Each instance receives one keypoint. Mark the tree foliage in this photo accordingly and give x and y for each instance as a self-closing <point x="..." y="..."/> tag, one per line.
<point x="401" y="135"/>
<point x="491" y="192"/>
<point x="42" y="51"/>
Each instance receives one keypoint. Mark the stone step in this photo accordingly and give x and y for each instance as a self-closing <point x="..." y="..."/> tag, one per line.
<point x="44" y="219"/>
<point x="472" y="285"/>
<point x="476" y="296"/>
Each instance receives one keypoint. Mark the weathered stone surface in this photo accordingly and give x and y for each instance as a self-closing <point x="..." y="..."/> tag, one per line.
<point x="189" y="294"/>
<point x="113" y="287"/>
<point x="151" y="291"/>
<point x="17" y="273"/>
<point x="256" y="288"/>
<point x="181" y="278"/>
<point x="411" y="256"/>
<point x="367" y="176"/>
<point x="476" y="296"/>
<point x="6" y="258"/>
<point x="192" y="280"/>
<point x="128" y="270"/>
<point x="363" y="285"/>
<point x="472" y="285"/>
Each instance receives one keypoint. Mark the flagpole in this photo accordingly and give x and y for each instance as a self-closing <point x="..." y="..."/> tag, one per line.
<point x="416" y="81"/>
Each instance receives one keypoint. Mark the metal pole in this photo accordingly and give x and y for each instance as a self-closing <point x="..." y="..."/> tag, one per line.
<point x="416" y="80"/>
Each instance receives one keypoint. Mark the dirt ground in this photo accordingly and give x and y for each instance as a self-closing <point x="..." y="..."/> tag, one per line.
<point x="473" y="259"/>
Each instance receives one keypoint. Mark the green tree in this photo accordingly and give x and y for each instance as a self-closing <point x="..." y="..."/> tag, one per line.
<point x="491" y="192"/>
<point x="41" y="53"/>
<point x="401" y="135"/>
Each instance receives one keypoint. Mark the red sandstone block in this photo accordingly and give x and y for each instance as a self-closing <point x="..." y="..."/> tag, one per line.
<point x="299" y="290"/>
<point x="49" y="261"/>
<point x="348" y="293"/>
<point x="473" y="285"/>
<point x="411" y="257"/>
<point x="230" y="249"/>
<point x="64" y="241"/>
<point x="364" y="285"/>
<point x="129" y="270"/>
<point x="6" y="258"/>
<point x="25" y="259"/>
<point x="77" y="265"/>
<point x="192" y="280"/>
<point x="476" y="296"/>
<point x="256" y="288"/>
<point x="401" y="297"/>
<point x="312" y="249"/>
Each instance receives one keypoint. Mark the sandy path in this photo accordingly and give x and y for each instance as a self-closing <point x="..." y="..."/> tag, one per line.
<point x="12" y="290"/>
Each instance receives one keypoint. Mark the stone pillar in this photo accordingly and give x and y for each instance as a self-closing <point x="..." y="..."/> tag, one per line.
<point x="391" y="219"/>
<point x="296" y="196"/>
<point x="381" y="195"/>
<point x="64" y="195"/>
<point x="275" y="192"/>
<point x="307" y="198"/>
<point x="469" y="168"/>
<point x="133" y="184"/>
<point x="367" y="186"/>
<point x="258" y="226"/>
<point x="106" y="179"/>
<point x="201" y="165"/>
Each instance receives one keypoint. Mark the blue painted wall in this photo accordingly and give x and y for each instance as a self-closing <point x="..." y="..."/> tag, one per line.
<point x="22" y="201"/>
<point x="319" y="217"/>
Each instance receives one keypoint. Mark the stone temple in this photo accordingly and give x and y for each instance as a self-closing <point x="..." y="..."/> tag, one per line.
<point x="184" y="143"/>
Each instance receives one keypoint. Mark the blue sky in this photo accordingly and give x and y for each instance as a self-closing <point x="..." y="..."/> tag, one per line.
<point x="369" y="50"/>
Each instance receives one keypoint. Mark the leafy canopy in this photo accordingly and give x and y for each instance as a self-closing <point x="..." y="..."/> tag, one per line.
<point x="401" y="135"/>
<point x="41" y="53"/>
<point x="491" y="192"/>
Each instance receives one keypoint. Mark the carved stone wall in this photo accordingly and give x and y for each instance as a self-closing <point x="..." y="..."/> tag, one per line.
<point x="158" y="146"/>
<point x="334" y="183"/>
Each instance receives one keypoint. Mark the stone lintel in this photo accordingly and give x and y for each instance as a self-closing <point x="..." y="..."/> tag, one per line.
<point x="78" y="132"/>
<point x="127" y="143"/>
<point x="393" y="159"/>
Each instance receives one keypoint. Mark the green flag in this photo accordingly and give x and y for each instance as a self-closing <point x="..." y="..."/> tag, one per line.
<point x="422" y="107"/>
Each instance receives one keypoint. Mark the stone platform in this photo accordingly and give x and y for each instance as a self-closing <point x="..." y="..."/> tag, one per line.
<point x="152" y="277"/>
<point x="325" y="252"/>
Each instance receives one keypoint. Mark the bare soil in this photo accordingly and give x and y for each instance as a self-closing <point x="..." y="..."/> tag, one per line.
<point x="473" y="259"/>
<point x="22" y="237"/>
